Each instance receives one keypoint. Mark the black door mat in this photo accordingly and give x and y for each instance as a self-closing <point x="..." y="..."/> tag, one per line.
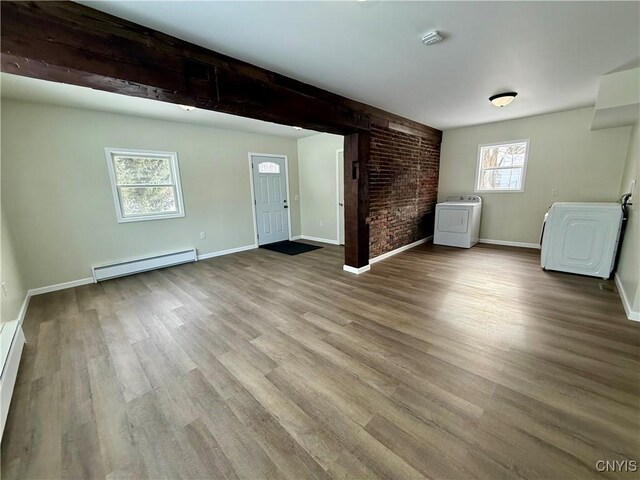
<point x="290" y="248"/>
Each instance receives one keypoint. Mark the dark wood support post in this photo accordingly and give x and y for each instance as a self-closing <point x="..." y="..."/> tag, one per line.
<point x="356" y="202"/>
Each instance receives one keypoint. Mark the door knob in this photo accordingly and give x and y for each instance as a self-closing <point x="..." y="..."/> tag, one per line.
<point x="286" y="206"/>
<point x="341" y="204"/>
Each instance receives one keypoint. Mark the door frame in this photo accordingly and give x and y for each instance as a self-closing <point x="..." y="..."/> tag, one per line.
<point x="253" y="192"/>
<point x="339" y="179"/>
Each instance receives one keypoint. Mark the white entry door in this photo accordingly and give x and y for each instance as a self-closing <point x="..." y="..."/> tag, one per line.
<point x="340" y="179"/>
<point x="270" y="189"/>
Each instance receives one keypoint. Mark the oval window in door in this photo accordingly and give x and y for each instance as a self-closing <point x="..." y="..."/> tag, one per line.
<point x="268" y="167"/>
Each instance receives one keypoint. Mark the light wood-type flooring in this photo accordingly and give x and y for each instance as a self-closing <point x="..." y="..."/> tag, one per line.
<point x="439" y="363"/>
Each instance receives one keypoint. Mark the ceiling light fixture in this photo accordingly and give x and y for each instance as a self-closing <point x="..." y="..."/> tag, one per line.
<point x="431" y="37"/>
<point x="297" y="128"/>
<point x="188" y="108"/>
<point x="503" y="99"/>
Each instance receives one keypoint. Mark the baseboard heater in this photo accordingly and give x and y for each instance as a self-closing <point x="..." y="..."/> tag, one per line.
<point x="129" y="267"/>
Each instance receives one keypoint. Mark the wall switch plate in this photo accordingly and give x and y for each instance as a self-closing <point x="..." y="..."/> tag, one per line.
<point x="632" y="189"/>
<point x="203" y="235"/>
<point x="555" y="192"/>
<point x="321" y="223"/>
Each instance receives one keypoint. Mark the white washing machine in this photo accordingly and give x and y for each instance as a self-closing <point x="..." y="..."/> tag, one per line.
<point x="581" y="238"/>
<point x="458" y="221"/>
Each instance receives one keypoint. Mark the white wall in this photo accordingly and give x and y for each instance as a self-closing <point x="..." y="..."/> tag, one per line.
<point x="318" y="184"/>
<point x="564" y="153"/>
<point x="629" y="268"/>
<point x="57" y="196"/>
<point x="10" y="275"/>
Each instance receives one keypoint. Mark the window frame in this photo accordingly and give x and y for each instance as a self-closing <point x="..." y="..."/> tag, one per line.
<point x="176" y="185"/>
<point x="479" y="168"/>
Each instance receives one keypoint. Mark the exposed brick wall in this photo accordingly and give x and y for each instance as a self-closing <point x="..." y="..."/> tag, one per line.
<point x="403" y="186"/>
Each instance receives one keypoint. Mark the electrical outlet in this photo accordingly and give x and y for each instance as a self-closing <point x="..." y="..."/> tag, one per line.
<point x="203" y="235"/>
<point x="296" y="197"/>
<point x="321" y="223"/>
<point x="4" y="289"/>
<point x="555" y="192"/>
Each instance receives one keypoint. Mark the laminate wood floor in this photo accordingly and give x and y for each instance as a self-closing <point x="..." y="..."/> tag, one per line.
<point x="439" y="363"/>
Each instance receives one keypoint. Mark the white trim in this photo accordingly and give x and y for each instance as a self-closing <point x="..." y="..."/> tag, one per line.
<point x="175" y="170"/>
<point x="23" y="309"/>
<point x="89" y="280"/>
<point x="398" y="250"/>
<point x="339" y="178"/>
<point x="355" y="270"/>
<point x="60" y="286"/>
<point x="253" y="195"/>
<point x="9" y="375"/>
<point x="524" y="166"/>
<point x="297" y="237"/>
<point x="220" y="253"/>
<point x="510" y="244"/>
<point x="631" y="315"/>
<point x="318" y="239"/>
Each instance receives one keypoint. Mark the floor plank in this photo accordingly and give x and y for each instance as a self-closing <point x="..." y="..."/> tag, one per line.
<point x="438" y="363"/>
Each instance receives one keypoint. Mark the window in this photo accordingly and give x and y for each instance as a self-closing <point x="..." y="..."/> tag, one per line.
<point x="502" y="167"/>
<point x="268" y="167"/>
<point x="146" y="185"/>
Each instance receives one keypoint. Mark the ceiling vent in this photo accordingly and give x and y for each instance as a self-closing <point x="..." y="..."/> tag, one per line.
<point x="431" y="38"/>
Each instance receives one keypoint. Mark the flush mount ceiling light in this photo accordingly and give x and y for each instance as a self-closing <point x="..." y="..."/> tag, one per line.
<point x="297" y="128"/>
<point x="431" y="37"/>
<point x="188" y="108"/>
<point x="503" y="99"/>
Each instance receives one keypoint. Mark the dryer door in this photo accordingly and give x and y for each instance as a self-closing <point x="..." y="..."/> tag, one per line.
<point x="453" y="220"/>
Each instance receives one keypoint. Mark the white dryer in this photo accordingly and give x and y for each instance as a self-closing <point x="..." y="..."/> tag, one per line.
<point x="581" y="238"/>
<point x="458" y="221"/>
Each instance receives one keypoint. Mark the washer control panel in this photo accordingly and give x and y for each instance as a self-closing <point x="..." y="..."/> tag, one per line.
<point x="465" y="199"/>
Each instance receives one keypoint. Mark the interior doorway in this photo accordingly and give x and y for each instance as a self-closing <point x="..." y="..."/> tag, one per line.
<point x="270" y="191"/>
<point x="340" y="194"/>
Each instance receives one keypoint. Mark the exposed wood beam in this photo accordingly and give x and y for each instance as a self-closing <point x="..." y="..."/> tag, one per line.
<point x="72" y="43"/>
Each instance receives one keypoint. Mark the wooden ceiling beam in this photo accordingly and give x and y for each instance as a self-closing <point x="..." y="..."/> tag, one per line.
<point x="72" y="43"/>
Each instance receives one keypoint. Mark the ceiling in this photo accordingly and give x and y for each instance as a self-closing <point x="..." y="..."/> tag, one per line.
<point x="40" y="91"/>
<point x="552" y="53"/>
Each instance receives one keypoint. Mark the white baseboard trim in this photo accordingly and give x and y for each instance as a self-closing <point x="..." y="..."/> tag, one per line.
<point x="60" y="286"/>
<point x="510" y="244"/>
<point x="220" y="253"/>
<point x="317" y="239"/>
<point x="355" y="270"/>
<point x="631" y="315"/>
<point x="87" y="281"/>
<point x="297" y="237"/>
<point x="400" y="249"/>
<point x="23" y="309"/>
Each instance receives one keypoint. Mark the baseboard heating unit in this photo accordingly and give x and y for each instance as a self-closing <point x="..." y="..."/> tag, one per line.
<point x="129" y="267"/>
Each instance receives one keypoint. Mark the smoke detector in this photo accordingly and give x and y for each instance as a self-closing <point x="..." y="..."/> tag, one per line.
<point x="431" y="37"/>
